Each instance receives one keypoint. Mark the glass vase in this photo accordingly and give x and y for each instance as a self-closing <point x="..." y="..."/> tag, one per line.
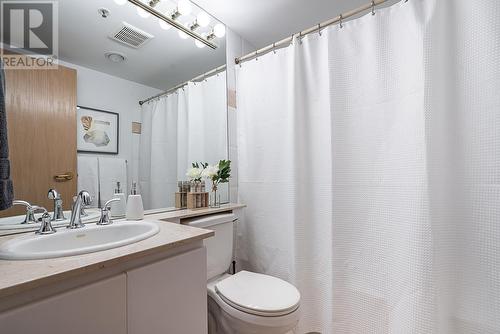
<point x="214" y="198"/>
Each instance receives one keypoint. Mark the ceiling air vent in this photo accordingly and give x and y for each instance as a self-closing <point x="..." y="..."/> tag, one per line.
<point x="131" y="36"/>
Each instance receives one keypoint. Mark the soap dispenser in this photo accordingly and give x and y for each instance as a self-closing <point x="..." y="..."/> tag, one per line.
<point x="135" y="208"/>
<point x="118" y="208"/>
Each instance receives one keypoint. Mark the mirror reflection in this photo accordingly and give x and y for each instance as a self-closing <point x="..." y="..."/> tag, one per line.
<point x="135" y="106"/>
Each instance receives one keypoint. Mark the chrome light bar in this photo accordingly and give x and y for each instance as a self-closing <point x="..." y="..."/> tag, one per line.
<point x="173" y="23"/>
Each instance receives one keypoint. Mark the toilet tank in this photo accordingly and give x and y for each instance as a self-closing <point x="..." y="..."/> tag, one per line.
<point x="219" y="247"/>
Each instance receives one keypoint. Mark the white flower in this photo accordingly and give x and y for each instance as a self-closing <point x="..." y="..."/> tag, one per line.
<point x="210" y="171"/>
<point x="194" y="173"/>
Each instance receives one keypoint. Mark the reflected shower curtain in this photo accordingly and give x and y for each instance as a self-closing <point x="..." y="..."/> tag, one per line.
<point x="369" y="158"/>
<point x="178" y="129"/>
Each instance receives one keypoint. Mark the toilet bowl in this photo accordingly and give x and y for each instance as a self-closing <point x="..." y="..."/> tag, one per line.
<point x="246" y="302"/>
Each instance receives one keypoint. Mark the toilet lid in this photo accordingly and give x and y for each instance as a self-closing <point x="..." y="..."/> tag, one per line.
<point x="258" y="294"/>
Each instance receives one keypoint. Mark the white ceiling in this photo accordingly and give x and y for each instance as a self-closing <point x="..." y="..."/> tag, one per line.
<point x="262" y="22"/>
<point x="162" y="63"/>
<point x="167" y="60"/>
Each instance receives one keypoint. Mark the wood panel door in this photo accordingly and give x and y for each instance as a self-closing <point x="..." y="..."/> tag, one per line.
<point x="41" y="120"/>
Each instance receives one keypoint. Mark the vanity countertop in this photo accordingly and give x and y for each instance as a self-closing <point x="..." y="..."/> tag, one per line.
<point x="18" y="276"/>
<point x="178" y="215"/>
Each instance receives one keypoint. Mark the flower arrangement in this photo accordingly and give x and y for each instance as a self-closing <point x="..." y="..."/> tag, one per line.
<point x="195" y="173"/>
<point x="218" y="173"/>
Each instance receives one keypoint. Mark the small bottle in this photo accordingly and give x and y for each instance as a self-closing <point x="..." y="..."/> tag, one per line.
<point x="135" y="208"/>
<point x="118" y="208"/>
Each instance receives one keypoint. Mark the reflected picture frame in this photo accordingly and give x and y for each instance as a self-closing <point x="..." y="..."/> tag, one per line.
<point x="98" y="131"/>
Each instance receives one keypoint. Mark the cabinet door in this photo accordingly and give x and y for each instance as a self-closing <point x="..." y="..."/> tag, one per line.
<point x="41" y="124"/>
<point x="98" y="308"/>
<point x="169" y="296"/>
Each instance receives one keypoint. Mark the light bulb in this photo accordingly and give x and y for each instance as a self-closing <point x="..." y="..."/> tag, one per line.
<point x="219" y="30"/>
<point x="121" y="2"/>
<point x="184" y="7"/>
<point x="183" y="35"/>
<point x="199" y="44"/>
<point x="203" y="19"/>
<point x="164" y="25"/>
<point x="142" y="13"/>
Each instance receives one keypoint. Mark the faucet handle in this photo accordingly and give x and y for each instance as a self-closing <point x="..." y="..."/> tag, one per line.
<point x="105" y="220"/>
<point x="46" y="225"/>
<point x="53" y="194"/>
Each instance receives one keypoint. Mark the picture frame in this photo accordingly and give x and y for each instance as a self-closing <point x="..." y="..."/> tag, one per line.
<point x="98" y="131"/>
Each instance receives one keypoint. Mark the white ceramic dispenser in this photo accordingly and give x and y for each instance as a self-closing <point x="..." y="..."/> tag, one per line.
<point x="118" y="208"/>
<point x="135" y="208"/>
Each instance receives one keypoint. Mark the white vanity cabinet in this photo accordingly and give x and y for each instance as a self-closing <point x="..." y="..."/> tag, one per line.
<point x="151" y="295"/>
<point x="169" y="296"/>
<point x="99" y="307"/>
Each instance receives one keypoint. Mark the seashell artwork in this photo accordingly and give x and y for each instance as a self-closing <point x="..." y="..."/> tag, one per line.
<point x="86" y="122"/>
<point x="97" y="137"/>
<point x="98" y="131"/>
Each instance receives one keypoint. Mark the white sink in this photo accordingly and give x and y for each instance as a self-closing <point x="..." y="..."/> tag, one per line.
<point x="66" y="242"/>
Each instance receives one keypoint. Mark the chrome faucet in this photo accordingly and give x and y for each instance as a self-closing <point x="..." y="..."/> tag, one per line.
<point x="105" y="220"/>
<point x="46" y="223"/>
<point x="58" y="208"/>
<point x="83" y="198"/>
<point x="30" y="212"/>
<point x="83" y="213"/>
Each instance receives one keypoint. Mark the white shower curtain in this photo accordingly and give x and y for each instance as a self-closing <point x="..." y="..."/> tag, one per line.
<point x="369" y="160"/>
<point x="178" y="129"/>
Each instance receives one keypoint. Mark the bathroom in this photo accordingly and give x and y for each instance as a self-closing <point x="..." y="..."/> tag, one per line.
<point x="250" y="167"/>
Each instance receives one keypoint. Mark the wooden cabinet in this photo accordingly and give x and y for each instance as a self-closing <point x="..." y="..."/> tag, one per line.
<point x="169" y="296"/>
<point x="92" y="309"/>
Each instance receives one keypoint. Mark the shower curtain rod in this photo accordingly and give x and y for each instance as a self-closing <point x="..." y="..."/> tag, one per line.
<point x="316" y="28"/>
<point x="198" y="78"/>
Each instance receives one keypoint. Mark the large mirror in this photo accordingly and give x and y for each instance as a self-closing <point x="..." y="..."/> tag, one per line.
<point x="136" y="97"/>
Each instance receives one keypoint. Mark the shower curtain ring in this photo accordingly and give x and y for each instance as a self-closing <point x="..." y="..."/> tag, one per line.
<point x="340" y="21"/>
<point x="319" y="29"/>
<point x="256" y="54"/>
<point x="300" y="37"/>
<point x="274" y="48"/>
<point x="373" y="7"/>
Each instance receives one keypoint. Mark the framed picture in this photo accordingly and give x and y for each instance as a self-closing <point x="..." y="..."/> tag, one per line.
<point x="97" y="131"/>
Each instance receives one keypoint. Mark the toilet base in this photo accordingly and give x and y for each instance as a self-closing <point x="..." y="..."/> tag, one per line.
<point x="220" y="322"/>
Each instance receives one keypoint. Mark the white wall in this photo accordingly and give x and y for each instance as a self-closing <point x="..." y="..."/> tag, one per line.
<point x="103" y="91"/>
<point x="236" y="47"/>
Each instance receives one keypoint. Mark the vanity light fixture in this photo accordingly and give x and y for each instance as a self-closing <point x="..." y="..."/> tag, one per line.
<point x="203" y="19"/>
<point x="183" y="35"/>
<point x="184" y="7"/>
<point x="219" y="30"/>
<point x="142" y="13"/>
<point x="164" y="25"/>
<point x="153" y="3"/>
<point x="199" y="44"/>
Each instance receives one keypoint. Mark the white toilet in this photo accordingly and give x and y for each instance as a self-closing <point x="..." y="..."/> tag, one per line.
<point x="244" y="303"/>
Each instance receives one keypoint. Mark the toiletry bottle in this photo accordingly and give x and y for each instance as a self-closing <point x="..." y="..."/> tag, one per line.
<point x="118" y="208"/>
<point x="135" y="209"/>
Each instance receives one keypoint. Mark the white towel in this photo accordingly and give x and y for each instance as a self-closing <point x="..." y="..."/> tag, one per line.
<point x="111" y="170"/>
<point x="88" y="177"/>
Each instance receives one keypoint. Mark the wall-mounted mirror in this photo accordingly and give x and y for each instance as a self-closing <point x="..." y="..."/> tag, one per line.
<point x="79" y="125"/>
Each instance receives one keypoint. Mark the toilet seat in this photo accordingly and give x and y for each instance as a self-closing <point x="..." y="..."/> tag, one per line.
<point x="258" y="294"/>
